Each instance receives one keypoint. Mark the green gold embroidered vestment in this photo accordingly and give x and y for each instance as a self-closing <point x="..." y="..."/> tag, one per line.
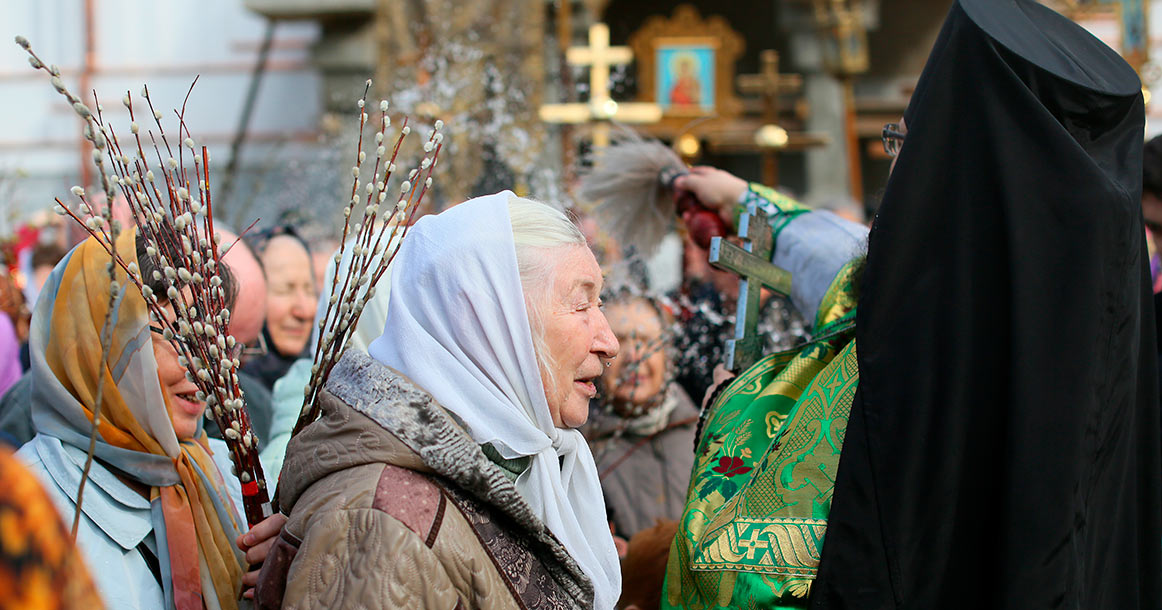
<point x="764" y="471"/>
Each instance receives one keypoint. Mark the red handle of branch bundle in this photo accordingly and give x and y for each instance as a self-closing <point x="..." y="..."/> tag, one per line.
<point x="255" y="503"/>
<point x="702" y="223"/>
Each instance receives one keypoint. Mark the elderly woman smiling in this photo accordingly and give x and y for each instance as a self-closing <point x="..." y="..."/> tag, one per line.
<point x="445" y="471"/>
<point x="290" y="305"/>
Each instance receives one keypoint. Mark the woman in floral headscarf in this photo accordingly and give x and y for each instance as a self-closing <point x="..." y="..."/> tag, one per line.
<point x="158" y="524"/>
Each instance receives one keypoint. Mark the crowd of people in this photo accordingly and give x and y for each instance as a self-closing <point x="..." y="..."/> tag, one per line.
<point x="957" y="407"/>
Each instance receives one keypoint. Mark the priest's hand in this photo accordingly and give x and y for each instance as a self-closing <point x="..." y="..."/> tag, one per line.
<point x="256" y="544"/>
<point x="716" y="189"/>
<point x="721" y="376"/>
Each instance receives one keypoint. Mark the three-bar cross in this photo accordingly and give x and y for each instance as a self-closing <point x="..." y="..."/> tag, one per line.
<point x="753" y="263"/>
<point x="769" y="84"/>
<point x="599" y="56"/>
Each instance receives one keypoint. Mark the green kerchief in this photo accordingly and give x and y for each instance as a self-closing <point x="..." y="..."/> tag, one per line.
<point x="511" y="468"/>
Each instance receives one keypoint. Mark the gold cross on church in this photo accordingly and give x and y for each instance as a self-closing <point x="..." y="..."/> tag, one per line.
<point x="599" y="56"/>
<point x="753" y="262"/>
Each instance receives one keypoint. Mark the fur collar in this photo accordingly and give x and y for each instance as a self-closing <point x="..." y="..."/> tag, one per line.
<point x="410" y="414"/>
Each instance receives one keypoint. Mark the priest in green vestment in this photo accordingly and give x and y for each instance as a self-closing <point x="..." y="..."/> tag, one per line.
<point x="1003" y="449"/>
<point x="770" y="440"/>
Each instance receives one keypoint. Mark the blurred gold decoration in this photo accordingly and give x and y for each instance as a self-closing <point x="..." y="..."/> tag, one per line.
<point x="688" y="146"/>
<point x="716" y="119"/>
<point x="686" y="65"/>
<point x="601" y="109"/>
<point x="771" y="136"/>
<point x="843" y="26"/>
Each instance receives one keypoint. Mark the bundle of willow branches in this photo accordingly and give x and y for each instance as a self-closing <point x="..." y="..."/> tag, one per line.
<point x="172" y="208"/>
<point x="370" y="245"/>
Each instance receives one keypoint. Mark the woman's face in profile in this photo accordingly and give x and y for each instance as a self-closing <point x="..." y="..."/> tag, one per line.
<point x="577" y="336"/>
<point x="185" y="410"/>
<point x="638" y="375"/>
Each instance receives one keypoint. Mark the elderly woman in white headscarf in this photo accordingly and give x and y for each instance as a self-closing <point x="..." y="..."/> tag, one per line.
<point x="445" y="470"/>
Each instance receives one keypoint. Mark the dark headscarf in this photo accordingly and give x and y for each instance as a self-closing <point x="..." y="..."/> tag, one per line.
<point x="1003" y="450"/>
<point x="273" y="365"/>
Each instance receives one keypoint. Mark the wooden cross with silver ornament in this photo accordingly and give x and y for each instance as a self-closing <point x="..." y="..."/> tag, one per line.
<point x="769" y="84"/>
<point x="599" y="56"/>
<point x="753" y="263"/>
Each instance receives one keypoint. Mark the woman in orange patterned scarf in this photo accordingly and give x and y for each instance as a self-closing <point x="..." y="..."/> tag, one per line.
<point x="158" y="523"/>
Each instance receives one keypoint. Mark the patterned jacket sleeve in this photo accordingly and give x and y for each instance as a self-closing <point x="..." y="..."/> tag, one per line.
<point x="39" y="565"/>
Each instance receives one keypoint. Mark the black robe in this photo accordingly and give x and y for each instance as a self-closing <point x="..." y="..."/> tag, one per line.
<point x="1003" y="449"/>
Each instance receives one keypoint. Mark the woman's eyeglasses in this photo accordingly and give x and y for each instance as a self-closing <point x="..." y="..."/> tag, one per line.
<point x="255" y="349"/>
<point x="893" y="137"/>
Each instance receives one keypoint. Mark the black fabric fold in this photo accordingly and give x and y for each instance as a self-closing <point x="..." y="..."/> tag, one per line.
<point x="1004" y="447"/>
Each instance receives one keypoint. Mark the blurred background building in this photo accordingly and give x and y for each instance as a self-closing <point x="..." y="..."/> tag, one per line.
<point x="789" y="92"/>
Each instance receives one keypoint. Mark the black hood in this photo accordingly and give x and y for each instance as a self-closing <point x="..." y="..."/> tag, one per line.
<point x="1003" y="449"/>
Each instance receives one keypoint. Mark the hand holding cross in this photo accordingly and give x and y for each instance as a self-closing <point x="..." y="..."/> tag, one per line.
<point x="753" y="263"/>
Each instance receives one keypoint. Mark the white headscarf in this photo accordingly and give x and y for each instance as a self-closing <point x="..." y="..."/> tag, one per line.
<point x="457" y="326"/>
<point x="370" y="324"/>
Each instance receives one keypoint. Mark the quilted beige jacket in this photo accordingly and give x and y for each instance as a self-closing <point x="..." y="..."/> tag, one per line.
<point x="392" y="505"/>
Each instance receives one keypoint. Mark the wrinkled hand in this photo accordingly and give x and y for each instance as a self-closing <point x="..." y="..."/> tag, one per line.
<point x="716" y="189"/>
<point x="256" y="544"/>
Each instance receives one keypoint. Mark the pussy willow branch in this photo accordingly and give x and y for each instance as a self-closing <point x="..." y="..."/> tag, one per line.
<point x="344" y="326"/>
<point x="372" y="250"/>
<point x="93" y="134"/>
<point x="186" y="250"/>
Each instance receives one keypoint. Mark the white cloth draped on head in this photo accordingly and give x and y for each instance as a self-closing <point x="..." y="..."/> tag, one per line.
<point x="457" y="326"/>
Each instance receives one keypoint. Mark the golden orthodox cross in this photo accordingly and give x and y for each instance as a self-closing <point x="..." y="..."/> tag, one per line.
<point x="753" y="263"/>
<point x="599" y="56"/>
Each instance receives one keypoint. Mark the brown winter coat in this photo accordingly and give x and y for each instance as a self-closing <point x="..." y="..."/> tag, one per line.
<point x="392" y="505"/>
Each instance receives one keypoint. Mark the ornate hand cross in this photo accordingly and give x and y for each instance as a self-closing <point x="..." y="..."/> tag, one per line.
<point x="753" y="263"/>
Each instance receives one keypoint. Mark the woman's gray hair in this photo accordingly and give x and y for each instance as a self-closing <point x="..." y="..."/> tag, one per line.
<point x="537" y="227"/>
